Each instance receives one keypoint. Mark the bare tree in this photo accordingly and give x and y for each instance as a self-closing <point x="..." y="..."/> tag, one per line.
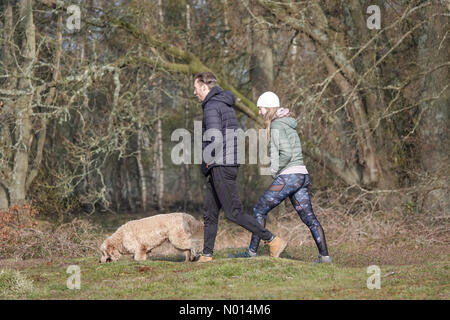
<point x="21" y="155"/>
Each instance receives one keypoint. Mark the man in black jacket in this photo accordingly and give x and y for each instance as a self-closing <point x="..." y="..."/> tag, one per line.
<point x="220" y="163"/>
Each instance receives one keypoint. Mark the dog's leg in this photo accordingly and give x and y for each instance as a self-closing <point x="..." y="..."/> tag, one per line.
<point x="187" y="254"/>
<point x="140" y="254"/>
<point x="181" y="239"/>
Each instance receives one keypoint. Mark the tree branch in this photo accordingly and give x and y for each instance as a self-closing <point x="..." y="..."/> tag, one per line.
<point x="192" y="66"/>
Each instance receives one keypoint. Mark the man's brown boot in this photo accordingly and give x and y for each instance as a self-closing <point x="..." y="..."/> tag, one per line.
<point x="205" y="258"/>
<point x="277" y="246"/>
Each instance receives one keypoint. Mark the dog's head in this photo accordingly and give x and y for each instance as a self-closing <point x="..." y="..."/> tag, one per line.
<point x="109" y="251"/>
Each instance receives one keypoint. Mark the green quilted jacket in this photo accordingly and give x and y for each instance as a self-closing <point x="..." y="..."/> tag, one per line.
<point x="285" y="146"/>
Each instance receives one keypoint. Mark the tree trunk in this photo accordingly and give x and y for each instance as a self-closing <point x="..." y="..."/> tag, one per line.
<point x="8" y="47"/>
<point x="160" y="159"/>
<point x="185" y="167"/>
<point x="160" y="165"/>
<point x="368" y="158"/>
<point x="23" y="108"/>
<point x="141" y="170"/>
<point x="261" y="62"/>
<point x="131" y="203"/>
<point x="432" y="126"/>
<point x="374" y="100"/>
<point x="3" y="198"/>
<point x="10" y="83"/>
<point x="48" y="101"/>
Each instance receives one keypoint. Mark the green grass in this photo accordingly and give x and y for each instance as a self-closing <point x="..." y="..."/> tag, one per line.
<point x="409" y="270"/>
<point x="257" y="278"/>
<point x="13" y="284"/>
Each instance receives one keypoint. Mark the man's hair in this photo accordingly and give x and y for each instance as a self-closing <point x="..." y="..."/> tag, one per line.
<point x="207" y="78"/>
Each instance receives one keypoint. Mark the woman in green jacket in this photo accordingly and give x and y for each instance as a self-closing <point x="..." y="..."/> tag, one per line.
<point x="289" y="172"/>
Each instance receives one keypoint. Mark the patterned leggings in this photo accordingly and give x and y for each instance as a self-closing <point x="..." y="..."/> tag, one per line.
<point x="294" y="186"/>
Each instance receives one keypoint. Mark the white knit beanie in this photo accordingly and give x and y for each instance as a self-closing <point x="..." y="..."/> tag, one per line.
<point x="268" y="100"/>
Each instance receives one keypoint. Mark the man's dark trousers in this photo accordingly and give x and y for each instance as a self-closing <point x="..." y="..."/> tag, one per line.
<point x="222" y="192"/>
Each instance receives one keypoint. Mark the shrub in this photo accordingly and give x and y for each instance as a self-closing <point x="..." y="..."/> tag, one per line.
<point x="22" y="237"/>
<point x="13" y="284"/>
<point x="13" y="224"/>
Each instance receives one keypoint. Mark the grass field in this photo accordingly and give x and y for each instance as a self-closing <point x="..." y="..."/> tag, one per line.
<point x="413" y="259"/>
<point x="257" y="278"/>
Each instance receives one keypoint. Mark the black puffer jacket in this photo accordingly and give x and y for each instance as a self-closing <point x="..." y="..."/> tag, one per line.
<point x="219" y="115"/>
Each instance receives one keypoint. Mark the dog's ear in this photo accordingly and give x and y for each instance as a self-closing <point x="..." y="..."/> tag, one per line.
<point x="112" y="252"/>
<point x="110" y="248"/>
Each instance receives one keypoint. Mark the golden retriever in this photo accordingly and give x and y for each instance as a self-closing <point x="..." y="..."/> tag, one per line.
<point x="140" y="237"/>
